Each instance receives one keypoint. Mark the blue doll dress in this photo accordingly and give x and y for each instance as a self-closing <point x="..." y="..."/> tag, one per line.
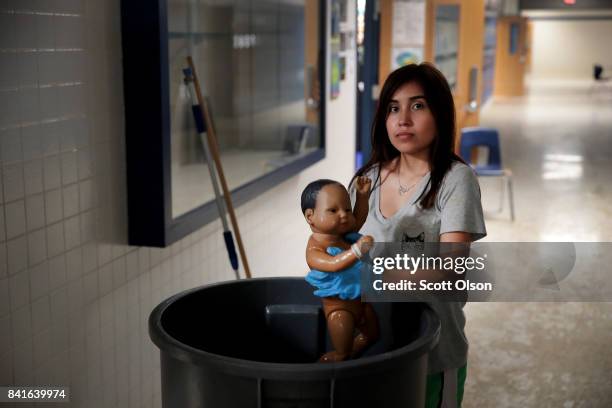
<point x="345" y="284"/>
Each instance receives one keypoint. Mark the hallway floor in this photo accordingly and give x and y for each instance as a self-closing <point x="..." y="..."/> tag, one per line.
<point x="558" y="142"/>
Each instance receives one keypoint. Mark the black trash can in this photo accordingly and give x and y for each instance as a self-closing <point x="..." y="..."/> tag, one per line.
<point x="254" y="343"/>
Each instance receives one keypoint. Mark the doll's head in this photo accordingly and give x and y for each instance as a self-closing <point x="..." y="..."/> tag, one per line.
<point x="326" y="205"/>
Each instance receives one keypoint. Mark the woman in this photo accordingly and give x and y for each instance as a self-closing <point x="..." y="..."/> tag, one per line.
<point x="423" y="192"/>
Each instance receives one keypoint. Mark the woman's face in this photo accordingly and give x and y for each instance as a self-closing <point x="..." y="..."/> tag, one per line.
<point x="410" y="124"/>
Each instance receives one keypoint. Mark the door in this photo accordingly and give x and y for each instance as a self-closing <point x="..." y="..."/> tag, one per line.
<point x="454" y="42"/>
<point x="511" y="57"/>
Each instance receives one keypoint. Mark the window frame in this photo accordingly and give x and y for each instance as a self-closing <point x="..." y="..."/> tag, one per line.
<point x="146" y="87"/>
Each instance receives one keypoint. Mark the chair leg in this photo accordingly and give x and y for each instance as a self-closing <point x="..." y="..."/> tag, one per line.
<point x="501" y="198"/>
<point x="510" y="197"/>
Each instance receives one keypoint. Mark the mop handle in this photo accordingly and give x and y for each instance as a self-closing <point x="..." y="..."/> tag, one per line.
<point x="212" y="139"/>
<point x="201" y="128"/>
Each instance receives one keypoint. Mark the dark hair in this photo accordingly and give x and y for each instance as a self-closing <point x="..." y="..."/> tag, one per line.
<point x="310" y="193"/>
<point x="440" y="101"/>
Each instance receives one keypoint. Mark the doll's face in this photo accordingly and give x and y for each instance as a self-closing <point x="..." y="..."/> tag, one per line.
<point x="332" y="213"/>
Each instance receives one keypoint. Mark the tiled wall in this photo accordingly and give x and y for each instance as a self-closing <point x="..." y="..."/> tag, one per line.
<point x="74" y="297"/>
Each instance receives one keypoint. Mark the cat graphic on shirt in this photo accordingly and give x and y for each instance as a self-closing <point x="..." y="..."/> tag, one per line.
<point x="415" y="243"/>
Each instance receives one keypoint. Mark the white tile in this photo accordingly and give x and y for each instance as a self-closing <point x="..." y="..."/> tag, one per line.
<point x="90" y="287"/>
<point x="58" y="302"/>
<point x="39" y="280"/>
<point x="131" y="266"/>
<point x="15" y="219"/>
<point x="57" y="272"/>
<point x="105" y="279"/>
<point x="55" y="239"/>
<point x="92" y="327"/>
<point x="69" y="168"/>
<point x="143" y="259"/>
<point x="13" y="182"/>
<point x="60" y="369"/>
<point x="90" y="257"/>
<point x="5" y="305"/>
<point x="51" y="172"/>
<point x="53" y="206"/>
<point x="23" y="366"/>
<point x="72" y="232"/>
<point x="33" y="177"/>
<point x="71" y="200"/>
<point x="25" y="34"/>
<point x="50" y="137"/>
<point x="45" y="31"/>
<point x="27" y="64"/>
<point x="119" y="277"/>
<point x="118" y="250"/>
<point x="41" y="348"/>
<point x="2" y="225"/>
<point x="28" y="101"/>
<point x="72" y="33"/>
<point x="41" y="314"/>
<point x="104" y="253"/>
<point x="80" y="128"/>
<point x="78" y="361"/>
<point x="84" y="163"/>
<point x="133" y="298"/>
<point x="60" y="338"/>
<point x="75" y="296"/>
<point x="31" y="141"/>
<point x="74" y="263"/>
<point x="35" y="212"/>
<point x="17" y="251"/>
<point x="19" y="288"/>
<point x="49" y="68"/>
<point x="68" y="136"/>
<point x="9" y="114"/>
<point x="21" y="324"/>
<point x="37" y="246"/>
<point x="73" y="68"/>
<point x="47" y="99"/>
<point x="70" y="7"/>
<point x="86" y="198"/>
<point x="5" y="334"/>
<point x="71" y="99"/>
<point x="9" y="71"/>
<point x="87" y="222"/>
<point x="1" y="189"/>
<point x="10" y="145"/>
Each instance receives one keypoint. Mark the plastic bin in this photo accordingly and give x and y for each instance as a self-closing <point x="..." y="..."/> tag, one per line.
<point x="224" y="346"/>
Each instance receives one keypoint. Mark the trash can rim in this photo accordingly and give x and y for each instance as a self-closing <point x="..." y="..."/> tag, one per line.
<point x="181" y="351"/>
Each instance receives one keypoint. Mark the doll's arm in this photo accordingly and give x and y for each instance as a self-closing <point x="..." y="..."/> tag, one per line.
<point x="362" y="197"/>
<point x="318" y="259"/>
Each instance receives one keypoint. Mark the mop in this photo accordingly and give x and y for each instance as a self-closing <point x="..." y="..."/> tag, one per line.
<point x="207" y="138"/>
<point x="201" y="128"/>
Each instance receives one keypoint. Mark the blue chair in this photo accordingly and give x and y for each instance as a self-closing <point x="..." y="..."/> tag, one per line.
<point x="474" y="137"/>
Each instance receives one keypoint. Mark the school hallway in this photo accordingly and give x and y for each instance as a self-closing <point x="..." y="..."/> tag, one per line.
<point x="556" y="141"/>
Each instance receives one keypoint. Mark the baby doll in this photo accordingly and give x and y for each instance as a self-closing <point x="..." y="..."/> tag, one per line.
<point x="333" y="252"/>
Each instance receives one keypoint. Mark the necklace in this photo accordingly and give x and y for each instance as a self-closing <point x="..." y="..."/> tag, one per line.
<point x="403" y="189"/>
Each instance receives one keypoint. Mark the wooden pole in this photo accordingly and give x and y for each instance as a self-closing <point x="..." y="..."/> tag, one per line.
<point x="214" y="150"/>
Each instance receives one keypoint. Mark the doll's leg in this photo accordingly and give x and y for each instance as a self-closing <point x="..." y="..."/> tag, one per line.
<point x="340" y="324"/>
<point x="341" y="319"/>
<point x="368" y="328"/>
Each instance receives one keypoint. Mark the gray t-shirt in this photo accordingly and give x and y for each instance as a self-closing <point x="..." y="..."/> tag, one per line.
<point x="457" y="209"/>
